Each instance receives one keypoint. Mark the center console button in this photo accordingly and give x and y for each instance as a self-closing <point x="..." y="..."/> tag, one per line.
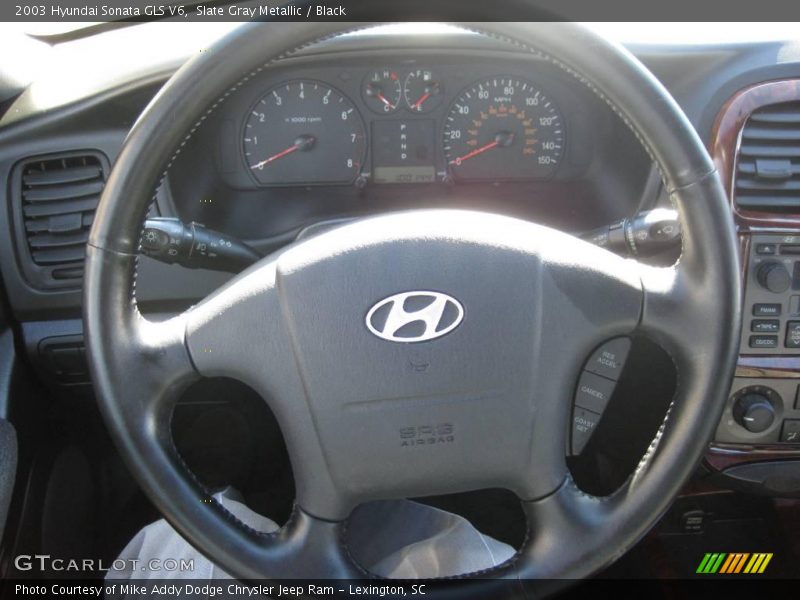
<point x="765" y="325"/>
<point x="793" y="334"/>
<point x="754" y="412"/>
<point x="774" y="277"/>
<point x="789" y="434"/>
<point x="794" y="305"/>
<point x="763" y="341"/>
<point x="766" y="310"/>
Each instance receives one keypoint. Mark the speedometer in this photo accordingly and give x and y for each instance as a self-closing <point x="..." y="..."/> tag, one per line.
<point x="503" y="128"/>
<point x="304" y="132"/>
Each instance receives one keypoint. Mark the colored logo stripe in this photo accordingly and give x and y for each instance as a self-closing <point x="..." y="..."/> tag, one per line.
<point x="711" y="562"/>
<point x="758" y="563"/>
<point x="733" y="563"/>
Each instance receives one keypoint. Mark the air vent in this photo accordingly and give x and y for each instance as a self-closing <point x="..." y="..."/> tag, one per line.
<point x="768" y="169"/>
<point x="58" y="196"/>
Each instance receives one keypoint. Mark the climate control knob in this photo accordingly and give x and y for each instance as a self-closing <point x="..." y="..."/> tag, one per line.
<point x="774" y="276"/>
<point x="754" y="412"/>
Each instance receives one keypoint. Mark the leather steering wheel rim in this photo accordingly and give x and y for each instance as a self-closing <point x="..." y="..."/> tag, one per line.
<point x="690" y="309"/>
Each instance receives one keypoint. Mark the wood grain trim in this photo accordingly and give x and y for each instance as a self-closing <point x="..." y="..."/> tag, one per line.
<point x="723" y="456"/>
<point x="776" y="367"/>
<point x="725" y="143"/>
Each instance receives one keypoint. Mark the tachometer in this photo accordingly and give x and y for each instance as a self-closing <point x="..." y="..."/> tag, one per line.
<point x="304" y="132"/>
<point x="503" y="128"/>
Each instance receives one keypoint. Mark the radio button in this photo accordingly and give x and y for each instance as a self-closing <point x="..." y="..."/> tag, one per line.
<point x="794" y="306"/>
<point x="766" y="310"/>
<point x="765" y="325"/>
<point x="793" y="334"/>
<point x="774" y="277"/>
<point x="763" y="341"/>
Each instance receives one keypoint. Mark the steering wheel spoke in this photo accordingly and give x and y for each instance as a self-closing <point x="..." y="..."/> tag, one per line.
<point x="565" y="528"/>
<point x="241" y="331"/>
<point x="148" y="363"/>
<point x="698" y="297"/>
<point x="238" y="331"/>
<point x="308" y="547"/>
<point x="666" y="312"/>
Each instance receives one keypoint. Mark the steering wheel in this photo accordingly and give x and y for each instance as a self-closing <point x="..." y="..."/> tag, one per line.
<point x="529" y="305"/>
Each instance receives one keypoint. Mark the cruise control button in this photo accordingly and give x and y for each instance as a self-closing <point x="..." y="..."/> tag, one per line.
<point x="793" y="334"/>
<point x="583" y="426"/>
<point x="790" y="432"/>
<point x="609" y="358"/>
<point x="766" y="310"/>
<point x="763" y="341"/>
<point x="765" y="325"/>
<point x="593" y="392"/>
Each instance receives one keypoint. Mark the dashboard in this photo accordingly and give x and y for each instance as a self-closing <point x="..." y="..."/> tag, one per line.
<point x="366" y="124"/>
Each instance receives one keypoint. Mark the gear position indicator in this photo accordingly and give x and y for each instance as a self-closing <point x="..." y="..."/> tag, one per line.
<point x="403" y="151"/>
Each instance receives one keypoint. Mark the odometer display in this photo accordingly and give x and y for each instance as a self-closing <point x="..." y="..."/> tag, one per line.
<point x="503" y="128"/>
<point x="304" y="132"/>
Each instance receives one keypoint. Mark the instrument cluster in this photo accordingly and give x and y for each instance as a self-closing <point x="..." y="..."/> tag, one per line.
<point x="361" y="131"/>
<point x="408" y="125"/>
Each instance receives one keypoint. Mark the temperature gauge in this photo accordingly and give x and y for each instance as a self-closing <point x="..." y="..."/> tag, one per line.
<point x="422" y="91"/>
<point x="382" y="91"/>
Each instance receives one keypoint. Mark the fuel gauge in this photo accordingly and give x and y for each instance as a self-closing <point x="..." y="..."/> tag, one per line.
<point x="382" y="91"/>
<point x="422" y="91"/>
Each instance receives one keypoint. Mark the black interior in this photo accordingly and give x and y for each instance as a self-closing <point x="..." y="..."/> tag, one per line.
<point x="71" y="484"/>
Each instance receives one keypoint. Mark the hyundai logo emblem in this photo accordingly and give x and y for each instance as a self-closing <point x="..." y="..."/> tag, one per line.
<point x="416" y="316"/>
